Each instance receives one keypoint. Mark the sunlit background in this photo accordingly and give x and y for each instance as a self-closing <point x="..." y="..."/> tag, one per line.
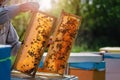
<point x="45" y="4"/>
<point x="100" y="21"/>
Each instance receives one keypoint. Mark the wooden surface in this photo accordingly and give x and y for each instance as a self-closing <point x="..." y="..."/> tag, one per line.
<point x="15" y="75"/>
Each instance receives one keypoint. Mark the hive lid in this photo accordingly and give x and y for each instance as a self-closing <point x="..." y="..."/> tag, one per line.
<point x="4" y="46"/>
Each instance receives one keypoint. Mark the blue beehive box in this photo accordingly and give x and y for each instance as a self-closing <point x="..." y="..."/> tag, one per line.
<point x="5" y="62"/>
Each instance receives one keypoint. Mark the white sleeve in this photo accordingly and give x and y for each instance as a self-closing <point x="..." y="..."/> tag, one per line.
<point x="3" y="16"/>
<point x="7" y="13"/>
<point x="12" y="11"/>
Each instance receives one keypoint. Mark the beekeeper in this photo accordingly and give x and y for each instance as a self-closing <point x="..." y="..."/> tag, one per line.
<point x="8" y="35"/>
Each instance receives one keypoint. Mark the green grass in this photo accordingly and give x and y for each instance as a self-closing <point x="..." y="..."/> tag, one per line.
<point x="12" y="60"/>
<point x="75" y="49"/>
<point x="82" y="48"/>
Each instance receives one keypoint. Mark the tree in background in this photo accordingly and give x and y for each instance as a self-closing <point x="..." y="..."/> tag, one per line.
<point x="20" y="23"/>
<point x="100" y="21"/>
<point x="100" y="25"/>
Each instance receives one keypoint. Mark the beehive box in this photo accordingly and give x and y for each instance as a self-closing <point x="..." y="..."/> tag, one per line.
<point x="5" y="62"/>
<point x="63" y="37"/>
<point x="36" y="39"/>
<point x="87" y="74"/>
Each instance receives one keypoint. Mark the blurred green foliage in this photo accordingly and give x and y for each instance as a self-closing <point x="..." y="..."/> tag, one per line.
<point x="100" y="26"/>
<point x="21" y="22"/>
<point x="100" y="22"/>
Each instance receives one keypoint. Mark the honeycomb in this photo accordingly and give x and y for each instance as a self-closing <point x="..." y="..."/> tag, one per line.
<point x="63" y="38"/>
<point x="36" y="39"/>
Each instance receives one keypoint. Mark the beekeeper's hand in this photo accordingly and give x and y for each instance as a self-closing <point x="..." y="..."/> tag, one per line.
<point x="29" y="6"/>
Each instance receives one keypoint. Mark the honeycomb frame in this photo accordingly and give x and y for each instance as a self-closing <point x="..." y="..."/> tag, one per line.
<point x="35" y="42"/>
